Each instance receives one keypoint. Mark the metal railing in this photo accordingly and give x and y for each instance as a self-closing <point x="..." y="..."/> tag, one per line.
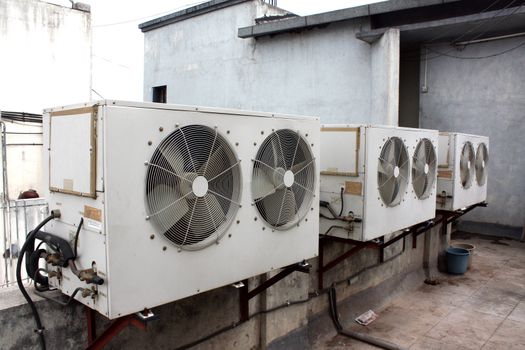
<point x="19" y="217"/>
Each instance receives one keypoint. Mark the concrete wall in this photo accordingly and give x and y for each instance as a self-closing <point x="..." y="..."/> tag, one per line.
<point x="485" y="97"/>
<point x="45" y="61"/>
<point x="292" y="327"/>
<point x="384" y="79"/>
<point x="46" y="55"/>
<point x="323" y="72"/>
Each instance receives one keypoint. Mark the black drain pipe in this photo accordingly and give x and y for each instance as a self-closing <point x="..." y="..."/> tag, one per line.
<point x="383" y="344"/>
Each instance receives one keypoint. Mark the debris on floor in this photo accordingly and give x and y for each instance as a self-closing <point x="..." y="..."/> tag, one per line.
<point x="366" y="318"/>
<point x="432" y="281"/>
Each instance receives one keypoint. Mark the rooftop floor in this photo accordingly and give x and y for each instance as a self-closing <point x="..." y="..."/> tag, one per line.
<point x="483" y="309"/>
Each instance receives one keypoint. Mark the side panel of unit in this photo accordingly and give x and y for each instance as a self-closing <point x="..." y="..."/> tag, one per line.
<point x="463" y="197"/>
<point x="73" y="148"/>
<point x="480" y="191"/>
<point x="446" y="171"/>
<point x="342" y="169"/>
<point x="146" y="270"/>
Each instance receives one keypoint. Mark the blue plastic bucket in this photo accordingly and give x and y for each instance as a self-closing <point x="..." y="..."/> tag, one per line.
<point x="457" y="260"/>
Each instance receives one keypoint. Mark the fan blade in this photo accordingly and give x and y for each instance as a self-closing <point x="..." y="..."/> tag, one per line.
<point x="215" y="164"/>
<point x="215" y="208"/>
<point x="390" y="154"/>
<point x="395" y="191"/>
<point x="289" y="207"/>
<point x="270" y="205"/>
<point x="262" y="182"/>
<point x="174" y="157"/>
<point x="298" y="167"/>
<point x="422" y="155"/>
<point x="276" y="150"/>
<point x="385" y="167"/>
<point x="169" y="207"/>
<point x="397" y="154"/>
<point x="419" y="182"/>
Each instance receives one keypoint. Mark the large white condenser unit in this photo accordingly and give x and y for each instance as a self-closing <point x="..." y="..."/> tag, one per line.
<point x="177" y="200"/>
<point x="376" y="180"/>
<point x="462" y="170"/>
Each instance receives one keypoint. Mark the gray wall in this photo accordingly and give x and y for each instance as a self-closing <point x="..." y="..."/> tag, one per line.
<point x="485" y="97"/>
<point x="322" y="72"/>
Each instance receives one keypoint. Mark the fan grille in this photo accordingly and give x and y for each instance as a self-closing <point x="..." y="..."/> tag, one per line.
<point x="193" y="185"/>
<point x="283" y="179"/>
<point x="482" y="158"/>
<point x="392" y="174"/>
<point x="423" y="168"/>
<point x="466" y="161"/>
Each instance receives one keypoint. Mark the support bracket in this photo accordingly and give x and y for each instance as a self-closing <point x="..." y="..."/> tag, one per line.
<point x="451" y="216"/>
<point x="138" y="320"/>
<point x="357" y="246"/>
<point x="245" y="295"/>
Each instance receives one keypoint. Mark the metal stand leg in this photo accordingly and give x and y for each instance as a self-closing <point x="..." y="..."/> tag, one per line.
<point x="97" y="343"/>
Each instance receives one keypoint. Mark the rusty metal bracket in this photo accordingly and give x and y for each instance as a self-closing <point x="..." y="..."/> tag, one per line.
<point x="357" y="246"/>
<point x="451" y="216"/>
<point x="245" y="295"/>
<point x="97" y="343"/>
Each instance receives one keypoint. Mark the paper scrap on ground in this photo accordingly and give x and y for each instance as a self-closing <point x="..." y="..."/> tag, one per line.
<point x="366" y="318"/>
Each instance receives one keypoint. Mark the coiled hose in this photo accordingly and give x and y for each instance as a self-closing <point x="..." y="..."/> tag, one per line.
<point x="30" y="242"/>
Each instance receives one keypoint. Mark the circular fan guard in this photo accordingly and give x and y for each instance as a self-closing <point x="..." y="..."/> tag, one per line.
<point x="482" y="158"/>
<point x="193" y="186"/>
<point x="423" y="168"/>
<point x="283" y="179"/>
<point x="392" y="174"/>
<point x="466" y="171"/>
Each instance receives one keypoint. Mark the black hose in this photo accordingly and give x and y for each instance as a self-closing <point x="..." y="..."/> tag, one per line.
<point x="321" y="215"/>
<point x="342" y="203"/>
<point x="30" y="241"/>
<point x="66" y="303"/>
<point x="77" y="234"/>
<point x="332" y="227"/>
<point x="383" y="344"/>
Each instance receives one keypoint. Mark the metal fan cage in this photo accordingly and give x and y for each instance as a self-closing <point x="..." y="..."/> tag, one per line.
<point x="283" y="179"/>
<point x="466" y="161"/>
<point x="424" y="168"/>
<point x="392" y="174"/>
<point x="193" y="186"/>
<point x="482" y="158"/>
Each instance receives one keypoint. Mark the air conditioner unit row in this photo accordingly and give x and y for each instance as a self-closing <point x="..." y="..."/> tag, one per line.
<point x="462" y="173"/>
<point x="177" y="200"/>
<point x="376" y="180"/>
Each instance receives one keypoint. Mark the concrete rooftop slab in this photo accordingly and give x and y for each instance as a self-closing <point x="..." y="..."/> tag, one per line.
<point x="485" y="308"/>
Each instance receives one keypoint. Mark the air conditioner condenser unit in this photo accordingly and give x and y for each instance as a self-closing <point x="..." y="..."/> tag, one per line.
<point x="462" y="170"/>
<point x="177" y="200"/>
<point x="376" y="180"/>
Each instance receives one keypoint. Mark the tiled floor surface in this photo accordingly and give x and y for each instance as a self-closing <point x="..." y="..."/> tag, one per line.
<point x="483" y="309"/>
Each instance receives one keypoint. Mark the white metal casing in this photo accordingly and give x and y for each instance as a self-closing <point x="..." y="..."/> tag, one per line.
<point x="141" y="270"/>
<point x="340" y="168"/>
<point x="451" y="195"/>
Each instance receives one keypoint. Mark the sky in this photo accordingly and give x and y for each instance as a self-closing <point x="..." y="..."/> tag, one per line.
<point x="118" y="43"/>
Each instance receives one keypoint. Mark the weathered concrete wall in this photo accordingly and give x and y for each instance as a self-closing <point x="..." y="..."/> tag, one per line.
<point x="185" y="321"/>
<point x="485" y="97"/>
<point x="45" y="61"/>
<point x="46" y="55"/>
<point x="323" y="72"/>
<point x="384" y="79"/>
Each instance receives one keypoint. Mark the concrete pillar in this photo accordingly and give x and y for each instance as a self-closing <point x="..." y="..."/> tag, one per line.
<point x="385" y="79"/>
